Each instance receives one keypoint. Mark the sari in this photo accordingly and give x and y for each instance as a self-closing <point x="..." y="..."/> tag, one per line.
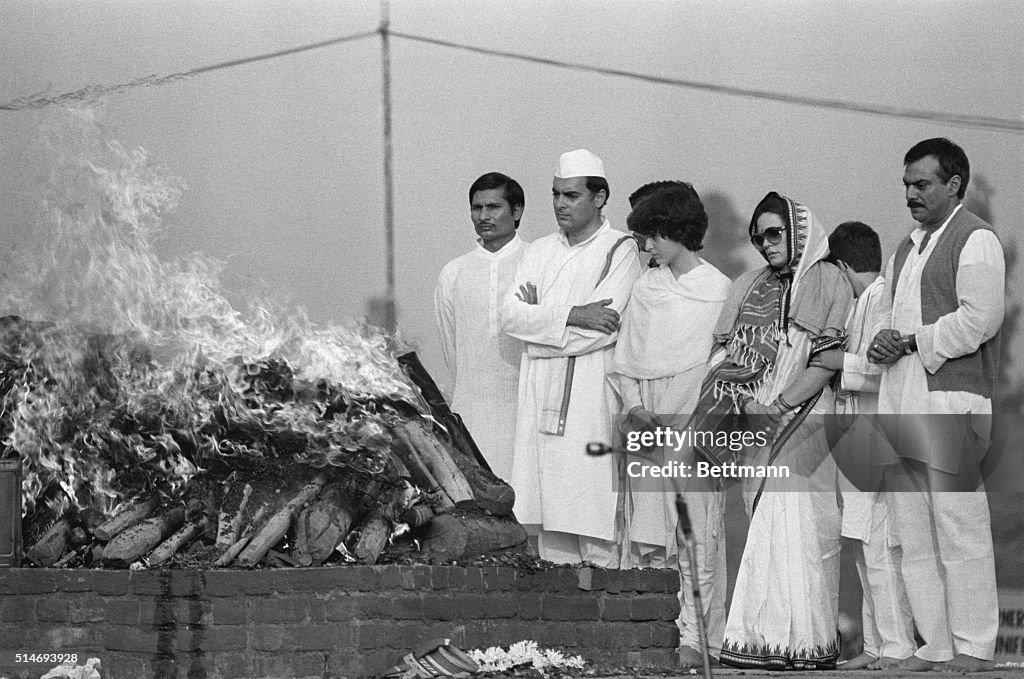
<point x="785" y="602"/>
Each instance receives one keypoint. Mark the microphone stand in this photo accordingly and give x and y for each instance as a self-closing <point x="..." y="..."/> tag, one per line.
<point x="691" y="553"/>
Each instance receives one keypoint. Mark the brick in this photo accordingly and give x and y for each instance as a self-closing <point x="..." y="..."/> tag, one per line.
<point x="52" y="609"/>
<point x="225" y="638"/>
<point x="646" y="607"/>
<point x="592" y="634"/>
<point x="172" y="611"/>
<point x="665" y="635"/>
<point x="376" y="663"/>
<point x="343" y="609"/>
<point x="267" y="638"/>
<point x="68" y="637"/>
<point x="408" y="574"/>
<point x="474" y="579"/>
<point x="436" y="607"/>
<point x="486" y="606"/>
<point x="312" y="638"/>
<point x="615" y="608"/>
<point x="644" y="635"/>
<point x="149" y="583"/>
<point x="613" y="581"/>
<point x="261" y="583"/>
<point x="33" y="581"/>
<point x="499" y="579"/>
<point x="123" y="666"/>
<point x="292" y="665"/>
<point x="373" y="606"/>
<point x="407" y="607"/>
<point x="556" y="607"/>
<point x="131" y="639"/>
<point x="17" y="609"/>
<point x="440" y="577"/>
<point x="622" y="635"/>
<point x="530" y="604"/>
<point x="87" y="608"/>
<point x="230" y="665"/>
<point x="229" y="611"/>
<point x="390" y="577"/>
<point x="278" y="610"/>
<point x="554" y="634"/>
<point x="584" y="578"/>
<point x="371" y="635"/>
<point x="123" y="611"/>
<point x="652" y="658"/>
<point x="223" y="584"/>
<point x="422" y="576"/>
<point x="456" y="578"/>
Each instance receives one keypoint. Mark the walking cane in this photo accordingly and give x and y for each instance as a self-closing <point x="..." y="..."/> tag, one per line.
<point x="691" y="552"/>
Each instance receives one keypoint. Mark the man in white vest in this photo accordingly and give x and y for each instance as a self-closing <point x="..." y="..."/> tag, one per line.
<point x="944" y="292"/>
<point x="569" y="291"/>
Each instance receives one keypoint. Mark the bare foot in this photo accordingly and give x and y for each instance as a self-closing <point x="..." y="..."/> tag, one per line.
<point x="915" y="664"/>
<point x="861" y="662"/>
<point x="690" y="658"/>
<point x="885" y="663"/>
<point x="966" y="663"/>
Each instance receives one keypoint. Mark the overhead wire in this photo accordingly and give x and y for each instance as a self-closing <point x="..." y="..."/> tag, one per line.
<point x="965" y="120"/>
<point x="93" y="92"/>
<point x="956" y="119"/>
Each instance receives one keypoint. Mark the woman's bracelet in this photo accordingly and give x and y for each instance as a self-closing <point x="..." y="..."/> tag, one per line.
<point x="784" y="404"/>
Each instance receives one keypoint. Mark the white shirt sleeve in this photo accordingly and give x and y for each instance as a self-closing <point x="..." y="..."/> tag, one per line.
<point x="444" y="316"/>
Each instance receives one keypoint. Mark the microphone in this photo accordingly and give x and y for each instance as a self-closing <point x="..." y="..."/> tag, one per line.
<point x="598" y="449"/>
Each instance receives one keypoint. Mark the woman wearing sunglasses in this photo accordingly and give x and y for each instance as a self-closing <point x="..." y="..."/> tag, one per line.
<point x="785" y="602"/>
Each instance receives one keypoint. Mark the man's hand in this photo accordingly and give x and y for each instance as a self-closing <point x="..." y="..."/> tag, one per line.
<point x="528" y="293"/>
<point x="829" y="360"/>
<point x="595" y="316"/>
<point x="886" y="348"/>
<point x="771" y="413"/>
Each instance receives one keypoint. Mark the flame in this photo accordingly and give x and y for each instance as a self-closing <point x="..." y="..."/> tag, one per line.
<point x="136" y="374"/>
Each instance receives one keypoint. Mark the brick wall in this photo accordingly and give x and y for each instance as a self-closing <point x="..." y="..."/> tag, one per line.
<point x="328" y="622"/>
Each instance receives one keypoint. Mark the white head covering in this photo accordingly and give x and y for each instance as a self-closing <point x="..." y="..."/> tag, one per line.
<point x="579" y="163"/>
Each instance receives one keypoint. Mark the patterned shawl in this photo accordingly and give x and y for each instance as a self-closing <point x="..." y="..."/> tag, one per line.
<point x="752" y="332"/>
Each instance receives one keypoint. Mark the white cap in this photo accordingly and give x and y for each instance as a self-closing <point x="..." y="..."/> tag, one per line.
<point x="579" y="163"/>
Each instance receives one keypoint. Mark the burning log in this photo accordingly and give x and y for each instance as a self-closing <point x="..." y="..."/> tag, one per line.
<point x="431" y="467"/>
<point x="234" y="550"/>
<point x="135" y="512"/>
<point x="49" y="548"/>
<point x="230" y="520"/>
<point x="278" y="524"/>
<point x="137" y="540"/>
<point x="450" y="537"/>
<point x="181" y="537"/>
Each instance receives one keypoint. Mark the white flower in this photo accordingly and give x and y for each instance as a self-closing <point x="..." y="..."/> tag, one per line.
<point x="525" y="652"/>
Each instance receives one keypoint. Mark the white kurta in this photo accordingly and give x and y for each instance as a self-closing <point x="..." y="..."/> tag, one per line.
<point x="885" y="612"/>
<point x="482" y="359"/>
<point x="948" y="561"/>
<point x="557" y="484"/>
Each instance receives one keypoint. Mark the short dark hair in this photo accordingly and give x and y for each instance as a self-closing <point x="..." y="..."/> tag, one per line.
<point x="495" y="180"/>
<point x="858" y="245"/>
<point x="649" y="188"/>
<point x="595" y="184"/>
<point x="674" y="212"/>
<point x="952" y="160"/>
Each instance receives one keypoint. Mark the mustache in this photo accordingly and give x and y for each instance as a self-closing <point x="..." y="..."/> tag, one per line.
<point x="914" y="203"/>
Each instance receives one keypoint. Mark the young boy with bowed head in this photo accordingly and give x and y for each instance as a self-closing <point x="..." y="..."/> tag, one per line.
<point x="658" y="366"/>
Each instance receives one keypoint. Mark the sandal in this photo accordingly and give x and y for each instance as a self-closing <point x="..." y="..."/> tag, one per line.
<point x="436" y="658"/>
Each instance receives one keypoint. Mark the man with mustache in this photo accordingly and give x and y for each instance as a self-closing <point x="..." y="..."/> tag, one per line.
<point x="568" y="293"/>
<point x="944" y="297"/>
<point x="482" y="360"/>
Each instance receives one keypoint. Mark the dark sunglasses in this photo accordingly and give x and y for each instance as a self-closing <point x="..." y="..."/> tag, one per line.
<point x="771" y="236"/>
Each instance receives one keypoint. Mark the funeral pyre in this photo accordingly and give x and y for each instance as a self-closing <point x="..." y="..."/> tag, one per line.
<point x="153" y="419"/>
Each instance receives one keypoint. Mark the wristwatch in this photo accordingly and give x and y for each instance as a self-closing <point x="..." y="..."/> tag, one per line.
<point x="909" y="344"/>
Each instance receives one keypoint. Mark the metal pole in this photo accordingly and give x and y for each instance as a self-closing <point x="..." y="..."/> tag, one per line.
<point x="698" y="604"/>
<point x="389" y="208"/>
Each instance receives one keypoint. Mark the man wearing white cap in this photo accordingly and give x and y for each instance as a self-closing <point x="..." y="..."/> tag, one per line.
<point x="565" y="303"/>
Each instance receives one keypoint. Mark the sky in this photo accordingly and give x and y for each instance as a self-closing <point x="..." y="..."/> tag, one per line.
<point x="283" y="159"/>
